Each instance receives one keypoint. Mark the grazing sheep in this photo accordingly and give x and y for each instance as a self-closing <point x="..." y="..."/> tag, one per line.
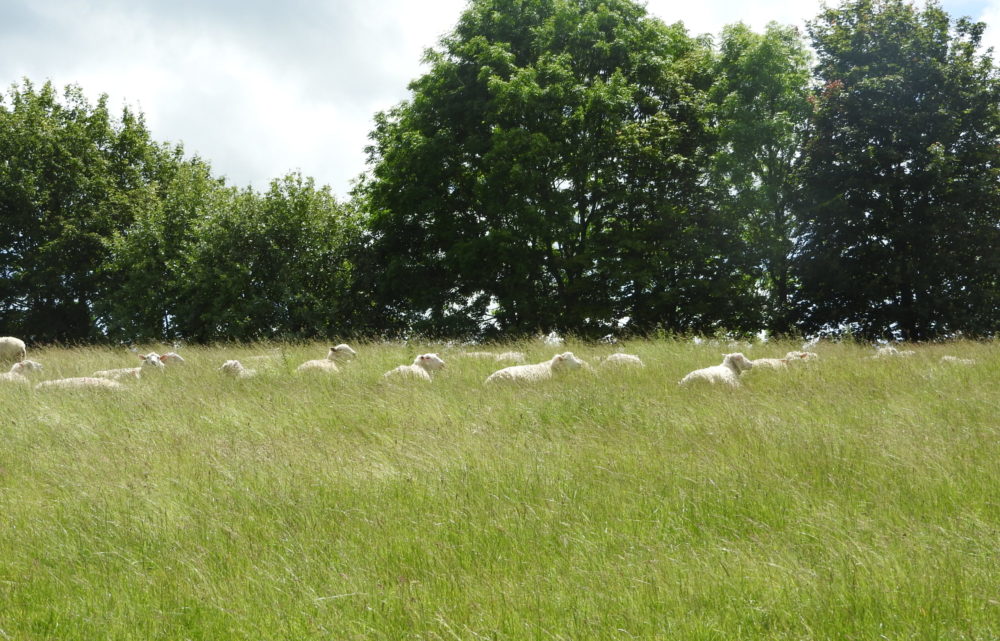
<point x="12" y="349"/>
<point x="538" y="371"/>
<point x="421" y="368"/>
<point x="172" y="357"/>
<point x="150" y="362"/>
<point x="622" y="360"/>
<point x="236" y="370"/>
<point x="728" y="372"/>
<point x="801" y="356"/>
<point x="955" y="360"/>
<point x="83" y="382"/>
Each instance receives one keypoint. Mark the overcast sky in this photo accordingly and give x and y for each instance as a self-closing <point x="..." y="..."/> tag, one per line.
<point x="260" y="88"/>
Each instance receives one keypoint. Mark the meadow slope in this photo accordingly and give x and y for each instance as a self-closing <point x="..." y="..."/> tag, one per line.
<point x="842" y="499"/>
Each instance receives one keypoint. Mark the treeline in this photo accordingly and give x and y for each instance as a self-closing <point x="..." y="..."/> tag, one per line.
<point x="563" y="164"/>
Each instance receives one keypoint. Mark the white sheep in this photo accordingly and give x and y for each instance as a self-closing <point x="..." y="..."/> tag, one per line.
<point x="25" y="367"/>
<point x="13" y="377"/>
<point x="340" y="353"/>
<point x="538" y="371"/>
<point x="151" y="362"/>
<point x="172" y="357"/>
<point x="516" y="357"/>
<point x="318" y="365"/>
<point x="955" y="360"/>
<point x="622" y="360"/>
<point x="421" y="368"/>
<point x="770" y="363"/>
<point x="236" y="370"/>
<point x="889" y="351"/>
<point x="83" y="382"/>
<point x="487" y="356"/>
<point x="728" y="372"/>
<point x="795" y="356"/>
<point x="12" y="349"/>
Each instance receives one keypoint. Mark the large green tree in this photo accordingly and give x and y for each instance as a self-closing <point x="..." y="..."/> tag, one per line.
<point x="145" y="270"/>
<point x="277" y="264"/>
<point x="901" y="210"/>
<point x="760" y="94"/>
<point x="549" y="171"/>
<point x="70" y="177"/>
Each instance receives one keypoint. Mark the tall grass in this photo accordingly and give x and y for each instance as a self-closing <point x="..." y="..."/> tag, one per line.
<point x="843" y="499"/>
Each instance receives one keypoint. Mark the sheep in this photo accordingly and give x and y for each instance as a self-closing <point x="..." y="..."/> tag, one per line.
<point x="622" y="360"/>
<point x="13" y="377"/>
<point x="955" y="360"/>
<point x="490" y="356"/>
<point x="318" y="365"/>
<point x="236" y="370"/>
<point x="338" y="353"/>
<point x="782" y="363"/>
<point x="516" y="357"/>
<point x="728" y="372"/>
<point x="83" y="382"/>
<point x="172" y="357"/>
<point x="421" y="368"/>
<point x="889" y="351"/>
<point x="770" y="363"/>
<point x="25" y="366"/>
<point x="538" y="371"/>
<point x="341" y="352"/>
<point x="18" y="370"/>
<point x="150" y="362"/>
<point x="12" y="349"/>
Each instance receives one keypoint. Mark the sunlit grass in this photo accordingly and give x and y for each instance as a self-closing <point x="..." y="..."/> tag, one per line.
<point x="843" y="499"/>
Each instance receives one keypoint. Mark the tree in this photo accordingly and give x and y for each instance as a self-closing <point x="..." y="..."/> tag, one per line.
<point x="144" y="269"/>
<point x="70" y="177"/>
<point x="901" y="216"/>
<point x="268" y="265"/>
<point x="761" y="90"/>
<point x="549" y="172"/>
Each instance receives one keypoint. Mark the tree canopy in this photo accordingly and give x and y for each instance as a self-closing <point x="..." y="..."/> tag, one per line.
<point x="576" y="165"/>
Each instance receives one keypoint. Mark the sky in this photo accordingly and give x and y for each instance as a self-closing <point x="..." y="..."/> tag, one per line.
<point x="260" y="88"/>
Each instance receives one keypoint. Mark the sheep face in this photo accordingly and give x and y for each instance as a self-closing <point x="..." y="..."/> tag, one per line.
<point x="430" y="362"/>
<point x="566" y="361"/>
<point x="26" y="366"/>
<point x="341" y="352"/>
<point x="737" y="361"/>
<point x="151" y="361"/>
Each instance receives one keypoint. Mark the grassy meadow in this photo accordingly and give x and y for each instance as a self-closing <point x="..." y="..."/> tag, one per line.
<point x="842" y="499"/>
